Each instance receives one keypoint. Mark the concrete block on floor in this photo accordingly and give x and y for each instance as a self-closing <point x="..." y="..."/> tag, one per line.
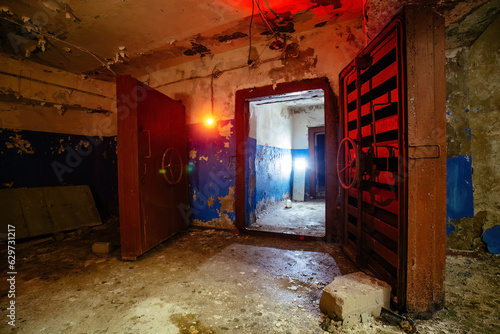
<point x="349" y="296"/>
<point x="102" y="247"/>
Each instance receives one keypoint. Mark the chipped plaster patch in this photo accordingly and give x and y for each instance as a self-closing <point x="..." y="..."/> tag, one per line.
<point x="226" y="144"/>
<point x="227" y="202"/>
<point x="192" y="154"/>
<point x="203" y="158"/>
<point x="22" y="145"/>
<point x="225" y="131"/>
<point x="293" y="68"/>
<point x="223" y="222"/>
<point x="83" y="143"/>
<point x="211" y="201"/>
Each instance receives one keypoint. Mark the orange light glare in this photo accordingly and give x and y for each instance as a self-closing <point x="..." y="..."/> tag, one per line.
<point x="210" y="121"/>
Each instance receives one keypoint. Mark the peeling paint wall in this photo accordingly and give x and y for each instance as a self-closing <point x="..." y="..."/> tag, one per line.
<point x="323" y="52"/>
<point x="484" y="91"/>
<point x="273" y="128"/>
<point x="39" y="98"/>
<point x="472" y="112"/>
<point x="212" y="174"/>
<point x="57" y="128"/>
<point x="43" y="159"/>
<point x="459" y="189"/>
<point x="473" y="87"/>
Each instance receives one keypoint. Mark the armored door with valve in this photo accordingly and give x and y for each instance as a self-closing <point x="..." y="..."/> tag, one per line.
<point x="391" y="160"/>
<point x="152" y="159"/>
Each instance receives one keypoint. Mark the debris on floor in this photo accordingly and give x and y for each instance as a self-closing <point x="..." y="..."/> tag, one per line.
<point x="350" y="296"/>
<point x="100" y="247"/>
<point x="405" y="323"/>
<point x="208" y="281"/>
<point x="300" y="218"/>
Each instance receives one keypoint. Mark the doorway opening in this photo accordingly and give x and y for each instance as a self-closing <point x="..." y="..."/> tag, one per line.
<point x="279" y="130"/>
<point x="317" y="176"/>
<point x="283" y="179"/>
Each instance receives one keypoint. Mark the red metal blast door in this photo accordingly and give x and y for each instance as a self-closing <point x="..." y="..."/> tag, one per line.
<point x="152" y="174"/>
<point x="392" y="159"/>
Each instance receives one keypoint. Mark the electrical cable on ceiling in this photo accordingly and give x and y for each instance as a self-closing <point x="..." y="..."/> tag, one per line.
<point x="249" y="61"/>
<point x="272" y="11"/>
<point x="262" y="15"/>
<point x="277" y="44"/>
<point x="219" y="72"/>
<point x="103" y="63"/>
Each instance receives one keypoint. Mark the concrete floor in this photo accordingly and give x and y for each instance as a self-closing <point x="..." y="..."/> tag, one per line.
<point x="207" y="281"/>
<point x="303" y="218"/>
<point x="201" y="281"/>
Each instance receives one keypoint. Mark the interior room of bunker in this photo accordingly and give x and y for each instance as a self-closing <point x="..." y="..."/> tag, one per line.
<point x="249" y="166"/>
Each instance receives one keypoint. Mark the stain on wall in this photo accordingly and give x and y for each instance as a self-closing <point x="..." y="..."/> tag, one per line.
<point x="484" y="91"/>
<point x="196" y="49"/>
<point x="473" y="87"/>
<point x="229" y="38"/>
<point x="460" y="204"/>
<point x="292" y="67"/>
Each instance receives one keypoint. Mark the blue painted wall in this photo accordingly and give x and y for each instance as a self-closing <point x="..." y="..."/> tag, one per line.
<point x="212" y="172"/>
<point x="273" y="173"/>
<point x="459" y="190"/>
<point x="54" y="159"/>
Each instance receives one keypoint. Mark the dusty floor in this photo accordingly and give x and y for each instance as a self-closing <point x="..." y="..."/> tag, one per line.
<point x="207" y="281"/>
<point x="303" y="218"/>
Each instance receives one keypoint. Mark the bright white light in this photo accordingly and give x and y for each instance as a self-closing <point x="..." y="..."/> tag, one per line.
<point x="286" y="166"/>
<point x="300" y="164"/>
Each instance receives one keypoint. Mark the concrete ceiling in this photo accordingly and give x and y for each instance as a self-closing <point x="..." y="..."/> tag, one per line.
<point x="99" y="38"/>
<point x="81" y="36"/>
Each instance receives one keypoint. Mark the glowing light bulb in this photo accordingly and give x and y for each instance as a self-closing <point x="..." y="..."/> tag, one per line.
<point x="210" y="121"/>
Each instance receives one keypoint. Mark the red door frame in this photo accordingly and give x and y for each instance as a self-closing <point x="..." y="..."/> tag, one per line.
<point x="333" y="228"/>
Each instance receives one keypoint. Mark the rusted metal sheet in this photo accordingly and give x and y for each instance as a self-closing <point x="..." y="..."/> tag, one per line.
<point x="46" y="210"/>
<point x="427" y="177"/>
<point x="152" y="167"/>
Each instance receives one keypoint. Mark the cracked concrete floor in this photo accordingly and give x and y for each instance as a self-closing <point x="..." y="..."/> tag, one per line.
<point x="207" y="281"/>
<point x="303" y="218"/>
